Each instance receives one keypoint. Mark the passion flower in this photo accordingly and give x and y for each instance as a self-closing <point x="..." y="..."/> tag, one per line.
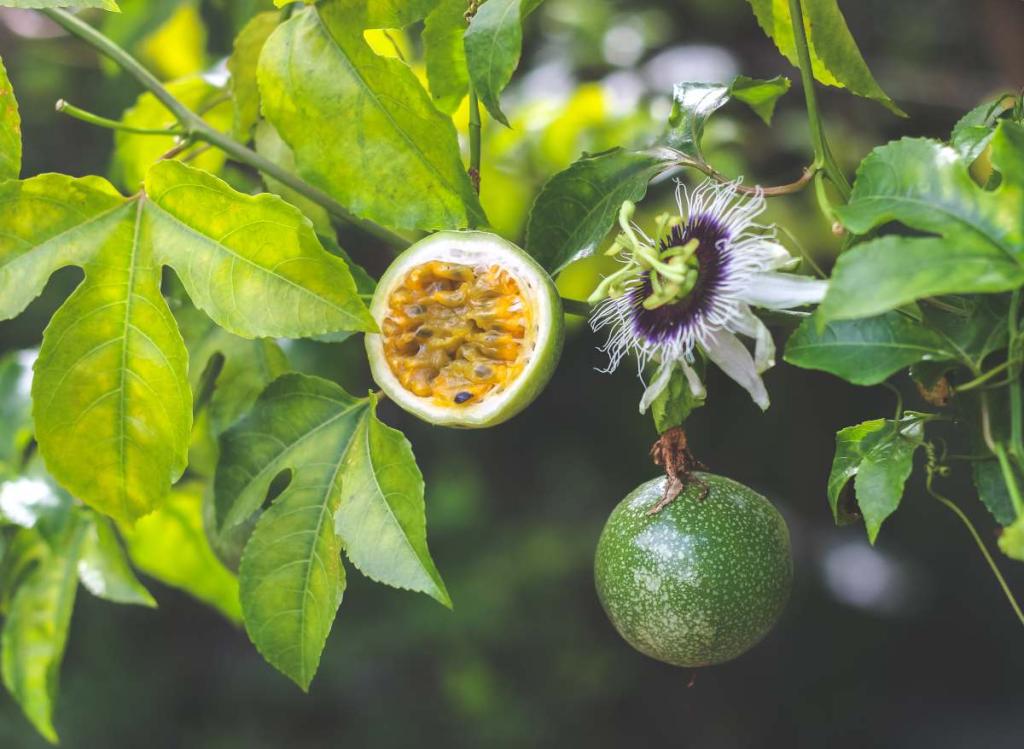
<point x="693" y="287"/>
<point x="701" y="580"/>
<point x="471" y="329"/>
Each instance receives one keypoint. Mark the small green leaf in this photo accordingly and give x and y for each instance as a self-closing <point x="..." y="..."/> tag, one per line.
<point x="674" y="404"/>
<point x="575" y="209"/>
<point x="973" y="132"/>
<point x="252" y="263"/>
<point x="134" y="154"/>
<point x="835" y="57"/>
<point x="347" y="471"/>
<point x="110" y="5"/>
<point x="692" y="105"/>
<point x="103" y="567"/>
<point x="348" y="113"/>
<point x="975" y="326"/>
<point x="170" y="545"/>
<point x="924" y="185"/>
<point x="242" y="65"/>
<point x="879" y="456"/>
<point x="494" y="42"/>
<point x="988" y="480"/>
<point x="36" y="631"/>
<point x="445" y="54"/>
<point x="389" y="14"/>
<point x="866" y="351"/>
<point x="1011" y="541"/>
<point x="10" y="129"/>
<point x="760" y="95"/>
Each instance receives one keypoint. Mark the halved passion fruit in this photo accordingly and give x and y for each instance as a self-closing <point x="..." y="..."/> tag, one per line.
<point x="471" y="329"/>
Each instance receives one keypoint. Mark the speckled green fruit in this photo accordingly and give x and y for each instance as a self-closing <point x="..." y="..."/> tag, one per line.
<point x="701" y="581"/>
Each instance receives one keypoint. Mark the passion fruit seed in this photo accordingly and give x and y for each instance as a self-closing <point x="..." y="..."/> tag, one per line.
<point x="701" y="581"/>
<point x="470" y="329"/>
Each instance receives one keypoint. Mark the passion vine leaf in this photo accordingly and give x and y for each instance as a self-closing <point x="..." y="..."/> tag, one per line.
<point x="110" y="5"/>
<point x="348" y="113"/>
<point x="353" y="482"/>
<point x="103" y="567"/>
<point x="445" y="54"/>
<point x="988" y="480"/>
<point x="675" y="403"/>
<point x="692" y="105"/>
<point x="494" y="43"/>
<point x="252" y="263"/>
<point x="10" y="129"/>
<point x="866" y="351"/>
<point x="245" y="55"/>
<point x="1011" y="540"/>
<point x="835" y="58"/>
<point x="880" y="454"/>
<point x="134" y="154"/>
<point x="110" y="397"/>
<point x="15" y="406"/>
<point x="35" y="630"/>
<point x="973" y="132"/>
<point x="112" y="403"/>
<point x="924" y="185"/>
<point x="760" y="95"/>
<point x="575" y="209"/>
<point x="170" y="545"/>
<point x="389" y="14"/>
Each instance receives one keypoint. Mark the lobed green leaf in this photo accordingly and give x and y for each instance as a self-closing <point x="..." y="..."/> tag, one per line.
<point x="349" y="114"/>
<point x="575" y="209"/>
<point x="760" y="95"/>
<point x="352" y="481"/>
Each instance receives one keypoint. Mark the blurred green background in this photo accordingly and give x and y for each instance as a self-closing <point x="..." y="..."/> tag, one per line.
<point x="909" y="644"/>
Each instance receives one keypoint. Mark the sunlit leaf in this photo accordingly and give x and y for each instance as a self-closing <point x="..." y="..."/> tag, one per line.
<point x="252" y="263"/>
<point x="361" y="126"/>
<point x="103" y="567"/>
<point x="924" y="185"/>
<point x="866" y="351"/>
<point x="10" y="129"/>
<point x="111" y="400"/>
<point x="575" y="209"/>
<point x="835" y="57"/>
<point x="445" y="54"/>
<point x="879" y="456"/>
<point x="346" y="471"/>
<point x="134" y="154"/>
<point x="170" y="546"/>
<point x="242" y="66"/>
<point x="177" y="47"/>
<point x="388" y="14"/>
<point x="36" y="630"/>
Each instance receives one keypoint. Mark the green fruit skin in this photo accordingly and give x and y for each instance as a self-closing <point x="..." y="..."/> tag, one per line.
<point x="526" y="388"/>
<point x="701" y="581"/>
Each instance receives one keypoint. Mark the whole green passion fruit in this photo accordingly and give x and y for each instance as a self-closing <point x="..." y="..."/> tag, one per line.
<point x="471" y="329"/>
<point x="702" y="580"/>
